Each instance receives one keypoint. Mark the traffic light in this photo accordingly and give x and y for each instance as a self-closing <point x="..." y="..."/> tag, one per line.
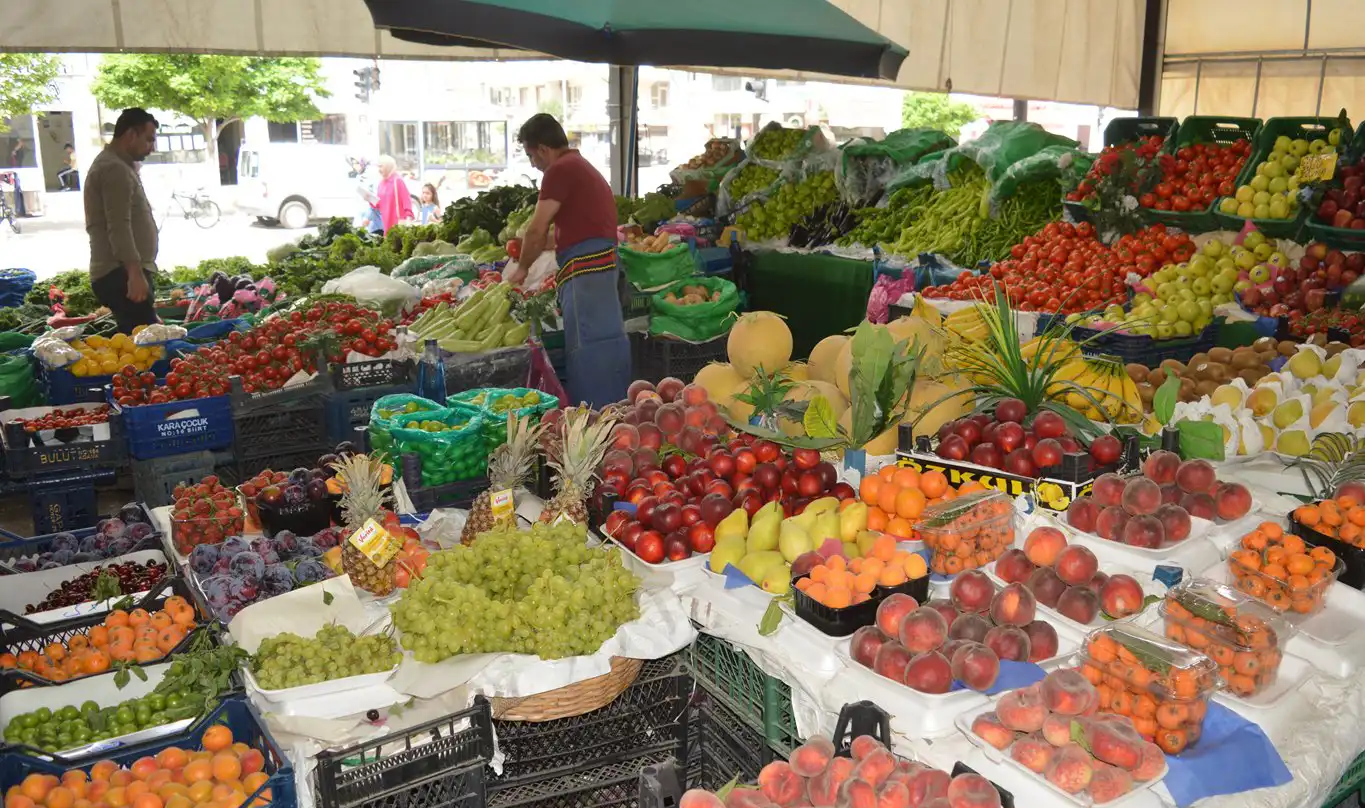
<point x="374" y="78"/>
<point x="364" y="83"/>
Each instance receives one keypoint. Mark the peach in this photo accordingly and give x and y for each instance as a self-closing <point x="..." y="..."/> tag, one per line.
<point x="891" y="661"/>
<point x="1014" y="566"/>
<point x="892" y="612"/>
<point x="950" y="647"/>
<point x="1196" y="477"/>
<point x="924" y="629"/>
<point x="893" y="795"/>
<point x="745" y="797"/>
<point x="1071" y="769"/>
<point x="1057" y="729"/>
<point x="972" y="591"/>
<point x="1079" y="604"/>
<point x="1171" y="494"/>
<point x="1141" y="496"/>
<point x="865" y="745"/>
<point x="1096" y="581"/>
<point x="1200" y="506"/>
<point x="1046" y="586"/>
<point x="1082" y="513"/>
<point x="1108" y="783"/>
<point x="865" y="644"/>
<point x="858" y="794"/>
<point x="875" y="768"/>
<point x="1032" y="752"/>
<point x="1144" y="531"/>
<point x="806" y="562"/>
<point x="1067" y="692"/>
<point x="946" y="608"/>
<point x="1022" y="710"/>
<point x="1108" y="490"/>
<point x="1076" y="565"/>
<point x="1152" y="764"/>
<point x="988" y="728"/>
<point x="1115" y="742"/>
<point x="929" y="673"/>
<point x="700" y="798"/>
<point x="972" y="791"/>
<point x="824" y="788"/>
<point x="781" y="784"/>
<point x="930" y="786"/>
<point x="975" y="665"/>
<point x="812" y="757"/>
<point x="1160" y="466"/>
<point x="1109" y="524"/>
<point x="1009" y="642"/>
<point x="1043" y="545"/>
<point x="636" y="388"/>
<point x="1175" y="520"/>
<point x="1121" y="596"/>
<point x="1233" y="501"/>
<point x="969" y="627"/>
<point x="938" y="802"/>
<point x="1013" y="606"/>
<point x="1042" y="638"/>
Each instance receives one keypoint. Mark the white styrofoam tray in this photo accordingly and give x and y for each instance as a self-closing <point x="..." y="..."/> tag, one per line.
<point x="1196" y="551"/>
<point x="31" y="587"/>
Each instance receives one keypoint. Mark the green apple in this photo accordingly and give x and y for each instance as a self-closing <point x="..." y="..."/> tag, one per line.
<point x="1279" y="209"/>
<point x="1259" y="273"/>
<point x="1253" y="239"/>
<point x="1245" y="192"/>
<point x="1318" y="147"/>
<point x="1205" y="309"/>
<point x="1246" y="210"/>
<point x="1222" y="284"/>
<point x="1182" y="328"/>
<point x="1188" y="310"/>
<point x="1221" y="297"/>
<point x="1214" y="248"/>
<point x="1169" y="314"/>
<point x="1260" y="182"/>
<point x="1263" y="251"/>
<point x="1228" y="205"/>
<point x="1240" y="286"/>
<point x="1290" y="164"/>
<point x="1261" y="212"/>
<point x="1334" y="137"/>
<point x="1246" y="259"/>
<point x="1299" y="147"/>
<point x="1201" y="287"/>
<point x="1165" y="331"/>
<point x="1282" y="143"/>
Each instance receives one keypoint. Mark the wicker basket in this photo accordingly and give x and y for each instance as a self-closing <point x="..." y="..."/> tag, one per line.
<point x="573" y="700"/>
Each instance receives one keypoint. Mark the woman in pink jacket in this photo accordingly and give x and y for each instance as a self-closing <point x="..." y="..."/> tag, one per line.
<point x="395" y="203"/>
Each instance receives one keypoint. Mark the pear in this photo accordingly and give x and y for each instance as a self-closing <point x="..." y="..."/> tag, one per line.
<point x="1287" y="413"/>
<point x="1227" y="394"/>
<point x="1355" y="414"/>
<point x="865" y="540"/>
<point x="1262" y="401"/>
<point x="736" y="525"/>
<point x="763" y="533"/>
<point x="852" y="521"/>
<point x="778" y="581"/>
<point x="793" y="540"/>
<point x="1332" y="366"/>
<point x="806" y="519"/>
<point x="851" y="550"/>
<point x="822" y="505"/>
<point x="1293" y="442"/>
<point x="773" y="508"/>
<point x="1267" y="435"/>
<point x="1321" y="412"/>
<point x="1306" y="364"/>
<point x="826" y="527"/>
<point x="726" y="552"/>
<point x="757" y="565"/>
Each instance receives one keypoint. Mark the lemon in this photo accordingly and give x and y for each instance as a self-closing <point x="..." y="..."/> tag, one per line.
<point x="108" y="367"/>
<point x="78" y="368"/>
<point x="96" y="341"/>
<point x="142" y="354"/>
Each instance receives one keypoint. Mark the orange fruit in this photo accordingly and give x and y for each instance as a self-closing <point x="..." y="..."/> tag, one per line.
<point x="915" y="566"/>
<point x="876" y="518"/>
<point x="18" y="800"/>
<point x="116" y="619"/>
<point x="868" y="487"/>
<point x="886" y="472"/>
<point x="933" y="483"/>
<point x="886" y="497"/>
<point x="226" y="767"/>
<point x="900" y="528"/>
<point x="910" y="503"/>
<point x="906" y="477"/>
<point x="138" y="617"/>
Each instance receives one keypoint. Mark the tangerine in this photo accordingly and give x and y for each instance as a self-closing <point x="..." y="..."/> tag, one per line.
<point x="906" y="477"/>
<point x="910" y="503"/>
<point x="933" y="483"/>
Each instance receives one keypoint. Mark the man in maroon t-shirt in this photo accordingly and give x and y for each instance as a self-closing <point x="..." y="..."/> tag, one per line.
<point x="579" y="203"/>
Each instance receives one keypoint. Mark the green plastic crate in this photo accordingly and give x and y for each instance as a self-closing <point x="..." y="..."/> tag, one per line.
<point x="1126" y="130"/>
<point x="1304" y="127"/>
<point x="1340" y="238"/>
<point x="763" y="702"/>
<point x="1352" y="780"/>
<point x="1205" y="129"/>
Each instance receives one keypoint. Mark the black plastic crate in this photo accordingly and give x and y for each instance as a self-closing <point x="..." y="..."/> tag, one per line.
<point x="655" y="358"/>
<point x="1144" y="350"/>
<point x="48" y="451"/>
<point x="437" y="763"/>
<point x="13" y="550"/>
<point x="68" y="503"/>
<point x="377" y="373"/>
<point x="722" y="747"/>
<point x="1351" y="556"/>
<point x="652" y="712"/>
<point x="154" y="481"/>
<point x="244" y="403"/>
<point x="452" y="495"/>
<point x="288" y="428"/>
<point x="347" y="410"/>
<point x="500" y="367"/>
<point x="246" y="468"/>
<point x="611" y="785"/>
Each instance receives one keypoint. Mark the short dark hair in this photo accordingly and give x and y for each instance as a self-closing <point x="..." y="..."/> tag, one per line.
<point x="133" y="118"/>
<point x="69" y="146"/>
<point x="542" y="130"/>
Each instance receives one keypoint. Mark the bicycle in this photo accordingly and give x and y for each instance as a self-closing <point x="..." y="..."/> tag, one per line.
<point x="204" y="211"/>
<point x="7" y="186"/>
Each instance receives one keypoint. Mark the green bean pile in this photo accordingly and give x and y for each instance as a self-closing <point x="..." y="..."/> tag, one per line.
<point x="1028" y="211"/>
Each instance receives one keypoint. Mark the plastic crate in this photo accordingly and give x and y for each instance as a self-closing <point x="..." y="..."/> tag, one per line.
<point x="721" y="747"/>
<point x="436" y="763"/>
<point x="248" y="467"/>
<point x="653" y="711"/>
<point x="655" y="358"/>
<point x="1205" y="129"/>
<point x="244" y="403"/>
<point x="377" y="373"/>
<point x="154" y="481"/>
<point x="760" y="701"/>
<point x="236" y="713"/>
<point x="1148" y="351"/>
<point x="13" y="550"/>
<point x="62" y="505"/>
<point x="716" y="260"/>
<point x="451" y="495"/>
<point x="636" y="303"/>
<point x="1127" y="130"/>
<point x="27" y="454"/>
<point x="158" y="430"/>
<point x="611" y="785"/>
<point x="288" y="428"/>
<point x="1351" y="782"/>
<point x="500" y="367"/>
<point x="61" y="387"/>
<point x="1265" y="143"/>
<point x="347" y="410"/>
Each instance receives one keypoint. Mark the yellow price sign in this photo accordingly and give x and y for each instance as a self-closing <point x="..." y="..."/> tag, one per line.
<point x="376" y="543"/>
<point x="502" y="504"/>
<point x="1316" y="167"/>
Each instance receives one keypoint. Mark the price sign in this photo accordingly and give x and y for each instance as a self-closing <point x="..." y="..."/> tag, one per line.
<point x="502" y="505"/>
<point x="1316" y="167"/>
<point x="376" y="543"/>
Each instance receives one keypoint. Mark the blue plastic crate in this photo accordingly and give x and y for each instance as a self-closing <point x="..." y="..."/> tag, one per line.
<point x="348" y="409"/>
<point x="716" y="260"/>
<point x="15" y="547"/>
<point x="63" y="505"/>
<point x="158" y="430"/>
<point x="62" y="387"/>
<point x="235" y="713"/>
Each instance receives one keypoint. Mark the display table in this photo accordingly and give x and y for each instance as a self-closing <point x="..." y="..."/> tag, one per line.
<point x="819" y="294"/>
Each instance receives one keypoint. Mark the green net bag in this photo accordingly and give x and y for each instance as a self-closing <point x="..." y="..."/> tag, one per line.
<point x="694" y="321"/>
<point x="383" y="413"/>
<point x="17" y="382"/>
<point x="653" y="270"/>
<point x="495" y="402"/>
<point x="866" y="166"/>
<point x="449" y="442"/>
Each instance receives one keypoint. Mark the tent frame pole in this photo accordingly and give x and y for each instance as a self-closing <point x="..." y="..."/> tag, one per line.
<point x="1153" y="48"/>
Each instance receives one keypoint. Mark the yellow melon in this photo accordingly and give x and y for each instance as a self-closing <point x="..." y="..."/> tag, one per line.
<point x="720" y="380"/>
<point x="759" y="339"/>
<point x="883" y="444"/>
<point x="806" y="391"/>
<point x="798" y="372"/>
<point x="824" y="356"/>
<point x="924" y="393"/>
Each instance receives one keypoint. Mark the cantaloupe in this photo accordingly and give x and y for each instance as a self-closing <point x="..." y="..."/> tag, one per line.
<point x="806" y="391"/>
<point x="740" y="411"/>
<point x="824" y="357"/>
<point x="917" y="332"/>
<point x="798" y="372"/>
<point x="720" y="381"/>
<point x="759" y="339"/>
<point x="924" y="393"/>
<point x="843" y="365"/>
<point x="883" y="444"/>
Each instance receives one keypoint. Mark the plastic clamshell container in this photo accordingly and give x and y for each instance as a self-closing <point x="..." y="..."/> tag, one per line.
<point x="183" y="531"/>
<point x="1284" y="594"/>
<point x="834" y="622"/>
<point x="1243" y="636"/>
<point x="982" y="522"/>
<point x="1001" y="757"/>
<point x="1127" y="658"/>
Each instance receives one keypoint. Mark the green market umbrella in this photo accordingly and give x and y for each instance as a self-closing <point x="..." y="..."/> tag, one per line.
<point x="810" y="35"/>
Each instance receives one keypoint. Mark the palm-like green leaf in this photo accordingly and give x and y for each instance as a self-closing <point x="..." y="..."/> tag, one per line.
<point x="1333" y="460"/>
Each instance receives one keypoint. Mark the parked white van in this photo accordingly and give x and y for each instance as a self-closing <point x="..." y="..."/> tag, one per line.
<point x="292" y="184"/>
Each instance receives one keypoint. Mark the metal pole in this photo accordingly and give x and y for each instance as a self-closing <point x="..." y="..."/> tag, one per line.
<point x="1020" y="109"/>
<point x="1153" y="44"/>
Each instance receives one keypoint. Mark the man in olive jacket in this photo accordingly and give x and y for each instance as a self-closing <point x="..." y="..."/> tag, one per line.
<point x="118" y="218"/>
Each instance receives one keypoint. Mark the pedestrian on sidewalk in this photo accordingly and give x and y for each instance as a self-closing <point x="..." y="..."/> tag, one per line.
<point x="69" y="177"/>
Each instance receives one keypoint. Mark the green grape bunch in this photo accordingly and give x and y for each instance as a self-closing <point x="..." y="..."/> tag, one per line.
<point x="776" y="144"/>
<point x="775" y="216"/>
<point x="288" y="660"/>
<point x="753" y="177"/>
<point x="541" y="591"/>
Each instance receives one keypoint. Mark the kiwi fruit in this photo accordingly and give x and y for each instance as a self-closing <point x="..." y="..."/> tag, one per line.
<point x="1334" y="348"/>
<point x="1187" y="388"/>
<point x="1197" y="360"/>
<point x="1205" y="388"/>
<point x="1173" y="367"/>
<point x="1146" y="392"/>
<point x="1222" y="356"/>
<point x="1252" y="375"/>
<point x="1244" y="358"/>
<point x="1287" y="347"/>
<point x="1136" y="372"/>
<point x="1317" y="339"/>
<point x="1265" y="344"/>
<point x="1156" y="378"/>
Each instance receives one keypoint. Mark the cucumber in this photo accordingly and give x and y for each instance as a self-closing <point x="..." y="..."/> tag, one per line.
<point x="516" y="336"/>
<point x="459" y="345"/>
<point x="493" y="339"/>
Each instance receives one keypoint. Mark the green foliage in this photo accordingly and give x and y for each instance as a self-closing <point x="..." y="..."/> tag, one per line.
<point x="488" y="211"/>
<point x="936" y="111"/>
<point x="26" y="81"/>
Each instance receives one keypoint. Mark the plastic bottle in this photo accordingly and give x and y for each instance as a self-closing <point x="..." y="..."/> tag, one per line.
<point x="431" y="374"/>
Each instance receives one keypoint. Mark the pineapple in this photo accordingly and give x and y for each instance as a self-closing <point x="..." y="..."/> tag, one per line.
<point x="361" y="500"/>
<point x="508" y="467"/>
<point x="575" y="464"/>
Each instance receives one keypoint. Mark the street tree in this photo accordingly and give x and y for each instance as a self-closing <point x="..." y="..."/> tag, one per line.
<point x="937" y="111"/>
<point x="27" y="81"/>
<point x="212" y="88"/>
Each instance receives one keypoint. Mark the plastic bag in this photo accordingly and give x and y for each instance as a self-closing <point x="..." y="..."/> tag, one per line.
<point x="370" y="285"/>
<point x="17" y="382"/>
<point x="383" y="413"/>
<point x="813" y="139"/>
<point x="419" y="265"/>
<point x="67" y="333"/>
<point x="866" y="166"/>
<point x="455" y="453"/>
<point x="54" y="352"/>
<point x="540" y="273"/>
<point x="160" y="333"/>
<point x="650" y="271"/>
<point x="931" y="168"/>
<point x="722" y="153"/>
<point x="695" y="322"/>
<point x="885" y="291"/>
<point x="1005" y="143"/>
<point x="485" y="401"/>
<point x="762" y="176"/>
<point x="1047" y="164"/>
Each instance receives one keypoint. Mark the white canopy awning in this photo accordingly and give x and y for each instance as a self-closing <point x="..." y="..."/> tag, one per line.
<point x="1082" y="51"/>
